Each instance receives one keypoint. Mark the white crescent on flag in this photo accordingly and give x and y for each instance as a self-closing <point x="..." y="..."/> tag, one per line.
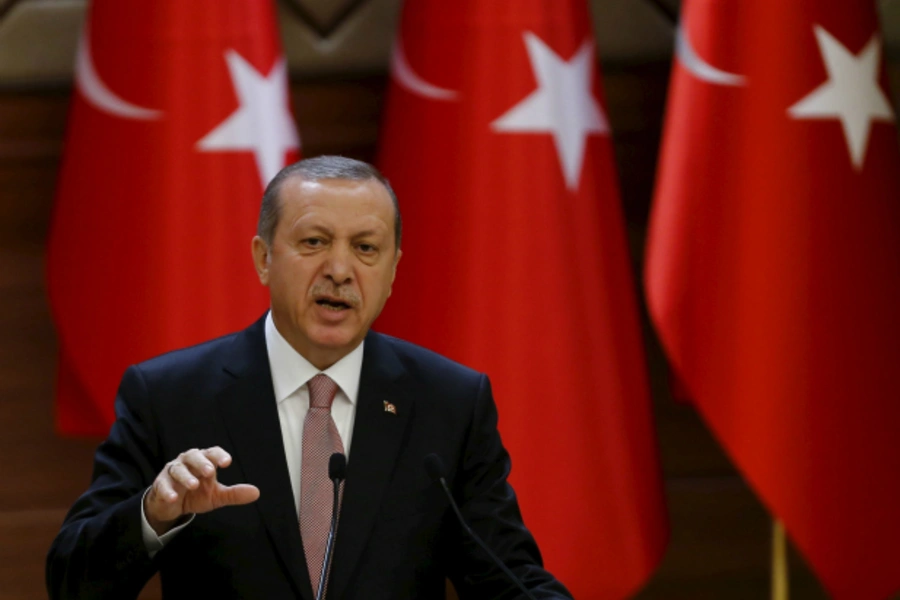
<point x="97" y="93"/>
<point x="410" y="80"/>
<point x="698" y="67"/>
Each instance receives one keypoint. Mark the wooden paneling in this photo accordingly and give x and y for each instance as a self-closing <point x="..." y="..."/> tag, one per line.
<point x="719" y="546"/>
<point x="339" y="116"/>
<point x="25" y="535"/>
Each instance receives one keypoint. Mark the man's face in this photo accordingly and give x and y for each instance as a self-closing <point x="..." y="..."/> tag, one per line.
<point x="331" y="264"/>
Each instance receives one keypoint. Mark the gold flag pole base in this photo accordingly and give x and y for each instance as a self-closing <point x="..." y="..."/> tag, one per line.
<point x="780" y="587"/>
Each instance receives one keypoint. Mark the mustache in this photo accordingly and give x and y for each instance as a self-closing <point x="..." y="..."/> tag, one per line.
<point x="344" y="294"/>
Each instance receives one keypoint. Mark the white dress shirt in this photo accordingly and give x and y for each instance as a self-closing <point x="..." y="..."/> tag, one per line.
<point x="290" y="374"/>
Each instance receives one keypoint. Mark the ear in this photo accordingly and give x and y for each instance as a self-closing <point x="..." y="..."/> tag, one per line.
<point x="260" y="251"/>
<point x="394" y="271"/>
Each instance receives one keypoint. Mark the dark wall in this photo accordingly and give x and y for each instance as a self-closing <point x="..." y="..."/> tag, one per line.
<point x="720" y="533"/>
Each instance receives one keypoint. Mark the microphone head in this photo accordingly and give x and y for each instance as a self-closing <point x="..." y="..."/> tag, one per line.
<point x="337" y="467"/>
<point x="434" y="466"/>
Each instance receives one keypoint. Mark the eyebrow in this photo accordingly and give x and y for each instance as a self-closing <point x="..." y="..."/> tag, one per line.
<point x="326" y="230"/>
<point x="315" y="227"/>
<point x="367" y="232"/>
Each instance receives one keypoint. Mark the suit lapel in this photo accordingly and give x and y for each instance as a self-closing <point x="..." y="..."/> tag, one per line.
<point x="250" y="415"/>
<point x="378" y="434"/>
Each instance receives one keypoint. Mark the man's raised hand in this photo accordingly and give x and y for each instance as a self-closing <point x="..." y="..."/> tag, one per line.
<point x="188" y="485"/>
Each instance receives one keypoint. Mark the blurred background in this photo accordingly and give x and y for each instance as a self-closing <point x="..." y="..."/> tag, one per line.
<point x="338" y="53"/>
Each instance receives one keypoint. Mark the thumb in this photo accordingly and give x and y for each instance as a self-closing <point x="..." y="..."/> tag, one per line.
<point x="241" y="493"/>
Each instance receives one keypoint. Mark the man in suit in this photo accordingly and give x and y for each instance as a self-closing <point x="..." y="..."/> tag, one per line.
<point x="215" y="472"/>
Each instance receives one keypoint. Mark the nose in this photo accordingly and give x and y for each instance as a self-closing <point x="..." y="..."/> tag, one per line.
<point x="338" y="265"/>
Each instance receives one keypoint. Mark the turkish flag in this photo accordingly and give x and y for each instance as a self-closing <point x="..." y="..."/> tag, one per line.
<point x="515" y="263"/>
<point x="773" y="262"/>
<point x="179" y="119"/>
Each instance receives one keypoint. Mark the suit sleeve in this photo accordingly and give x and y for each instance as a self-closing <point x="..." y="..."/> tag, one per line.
<point x="99" y="551"/>
<point x="489" y="504"/>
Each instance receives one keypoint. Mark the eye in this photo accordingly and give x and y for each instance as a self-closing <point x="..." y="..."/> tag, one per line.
<point x="366" y="248"/>
<point x="313" y="242"/>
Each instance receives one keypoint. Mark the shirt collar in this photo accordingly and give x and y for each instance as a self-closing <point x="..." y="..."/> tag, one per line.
<point x="290" y="370"/>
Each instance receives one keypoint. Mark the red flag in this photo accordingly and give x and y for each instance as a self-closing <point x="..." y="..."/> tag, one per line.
<point x="515" y="263"/>
<point x="180" y="117"/>
<point x="773" y="265"/>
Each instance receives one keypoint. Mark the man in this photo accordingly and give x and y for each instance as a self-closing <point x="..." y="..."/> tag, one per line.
<point x="215" y="472"/>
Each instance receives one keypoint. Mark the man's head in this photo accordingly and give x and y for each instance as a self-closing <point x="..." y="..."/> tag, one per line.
<point x="317" y="169"/>
<point x="327" y="247"/>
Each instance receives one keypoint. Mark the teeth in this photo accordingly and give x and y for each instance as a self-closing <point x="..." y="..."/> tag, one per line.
<point x="335" y="306"/>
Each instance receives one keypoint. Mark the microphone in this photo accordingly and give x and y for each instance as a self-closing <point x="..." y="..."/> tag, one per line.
<point x="337" y="472"/>
<point x="434" y="466"/>
<point x="337" y="467"/>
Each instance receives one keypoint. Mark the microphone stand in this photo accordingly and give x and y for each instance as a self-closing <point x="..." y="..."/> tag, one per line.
<point x="435" y="468"/>
<point x="336" y="467"/>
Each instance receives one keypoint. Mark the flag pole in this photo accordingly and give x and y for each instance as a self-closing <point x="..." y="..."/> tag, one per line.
<point x="780" y="587"/>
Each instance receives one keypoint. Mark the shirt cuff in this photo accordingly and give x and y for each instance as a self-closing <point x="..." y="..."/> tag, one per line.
<point x="152" y="542"/>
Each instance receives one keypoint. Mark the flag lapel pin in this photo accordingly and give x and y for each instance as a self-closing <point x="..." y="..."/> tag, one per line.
<point x="390" y="408"/>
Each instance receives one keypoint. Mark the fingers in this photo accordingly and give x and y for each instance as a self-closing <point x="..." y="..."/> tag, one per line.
<point x="187" y="471"/>
<point x="181" y="474"/>
<point x="188" y="484"/>
<point x="165" y="488"/>
<point x="234" y="495"/>
<point x="197" y="465"/>
<point x="218" y="456"/>
<point x="193" y="465"/>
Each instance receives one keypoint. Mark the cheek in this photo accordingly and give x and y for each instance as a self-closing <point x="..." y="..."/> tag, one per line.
<point x="379" y="287"/>
<point x="289" y="284"/>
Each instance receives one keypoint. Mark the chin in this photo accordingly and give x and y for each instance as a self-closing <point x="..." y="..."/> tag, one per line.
<point x="334" y="340"/>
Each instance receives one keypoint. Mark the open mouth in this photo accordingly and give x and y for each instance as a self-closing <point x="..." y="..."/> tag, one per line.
<point x="334" y="304"/>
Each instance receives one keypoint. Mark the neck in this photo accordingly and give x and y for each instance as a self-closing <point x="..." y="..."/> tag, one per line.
<point x="320" y="358"/>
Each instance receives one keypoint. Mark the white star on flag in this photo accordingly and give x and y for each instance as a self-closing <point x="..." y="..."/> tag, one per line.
<point x="563" y="105"/>
<point x="262" y="123"/>
<point x="851" y="94"/>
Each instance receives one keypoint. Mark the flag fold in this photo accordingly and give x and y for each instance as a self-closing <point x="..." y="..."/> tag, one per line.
<point x="515" y="263"/>
<point x="772" y="268"/>
<point x="179" y="117"/>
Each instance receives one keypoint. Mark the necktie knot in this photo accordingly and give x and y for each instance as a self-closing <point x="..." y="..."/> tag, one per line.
<point x="322" y="389"/>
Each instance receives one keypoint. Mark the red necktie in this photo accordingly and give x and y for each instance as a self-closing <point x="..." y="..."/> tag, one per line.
<point x="320" y="441"/>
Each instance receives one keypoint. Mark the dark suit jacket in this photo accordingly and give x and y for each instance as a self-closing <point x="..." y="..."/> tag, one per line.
<point x="397" y="537"/>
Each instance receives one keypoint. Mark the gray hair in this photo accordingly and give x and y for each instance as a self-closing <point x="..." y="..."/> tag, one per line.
<point x="317" y="169"/>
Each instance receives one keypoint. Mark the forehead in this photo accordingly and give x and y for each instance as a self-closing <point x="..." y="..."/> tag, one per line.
<point x="335" y="203"/>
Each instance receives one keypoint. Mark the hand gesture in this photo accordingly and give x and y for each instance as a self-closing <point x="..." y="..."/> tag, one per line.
<point x="188" y="485"/>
